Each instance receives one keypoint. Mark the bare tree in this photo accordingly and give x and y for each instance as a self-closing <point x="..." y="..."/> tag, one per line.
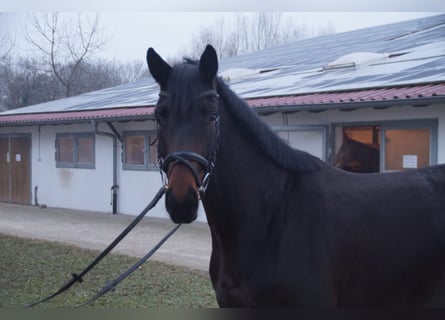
<point x="5" y="59"/>
<point x="265" y="30"/>
<point x="252" y="32"/>
<point x="217" y="36"/>
<point x="23" y="83"/>
<point x="62" y="62"/>
<point x="324" y="30"/>
<point x="132" y="71"/>
<point x="64" y="42"/>
<point x="7" y="42"/>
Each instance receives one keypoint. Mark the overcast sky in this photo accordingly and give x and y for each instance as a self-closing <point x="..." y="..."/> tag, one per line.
<point x="170" y="33"/>
<point x="168" y="25"/>
<point x="223" y="5"/>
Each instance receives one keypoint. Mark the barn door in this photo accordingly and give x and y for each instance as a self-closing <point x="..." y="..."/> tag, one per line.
<point x="15" y="169"/>
<point x="20" y="149"/>
<point x="4" y="169"/>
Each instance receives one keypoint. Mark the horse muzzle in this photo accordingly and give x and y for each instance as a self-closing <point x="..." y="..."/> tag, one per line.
<point x="185" y="209"/>
<point x="188" y="175"/>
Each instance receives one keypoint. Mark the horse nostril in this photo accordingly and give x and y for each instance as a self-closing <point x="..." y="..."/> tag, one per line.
<point x="184" y="210"/>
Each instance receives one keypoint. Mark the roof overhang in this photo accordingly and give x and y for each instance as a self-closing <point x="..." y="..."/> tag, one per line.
<point x="378" y="98"/>
<point x="58" y="118"/>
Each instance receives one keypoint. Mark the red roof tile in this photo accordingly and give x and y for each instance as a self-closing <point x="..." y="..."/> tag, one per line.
<point x="346" y="99"/>
<point x="358" y="96"/>
<point x="76" y="116"/>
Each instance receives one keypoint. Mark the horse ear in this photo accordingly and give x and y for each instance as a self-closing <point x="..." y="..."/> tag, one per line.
<point x="208" y="64"/>
<point x="159" y="69"/>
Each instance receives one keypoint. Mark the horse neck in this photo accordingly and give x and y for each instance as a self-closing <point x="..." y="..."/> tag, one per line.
<point x="242" y="176"/>
<point x="253" y="167"/>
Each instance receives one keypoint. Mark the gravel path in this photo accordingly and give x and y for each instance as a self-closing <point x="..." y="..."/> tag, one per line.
<point x="190" y="246"/>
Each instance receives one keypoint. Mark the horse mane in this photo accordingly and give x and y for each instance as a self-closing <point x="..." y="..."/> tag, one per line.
<point x="184" y="79"/>
<point x="262" y="135"/>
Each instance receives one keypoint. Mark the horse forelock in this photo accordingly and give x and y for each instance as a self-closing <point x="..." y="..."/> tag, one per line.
<point x="183" y="87"/>
<point x="263" y="136"/>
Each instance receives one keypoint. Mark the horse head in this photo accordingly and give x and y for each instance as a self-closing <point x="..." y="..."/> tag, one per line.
<point x="188" y="129"/>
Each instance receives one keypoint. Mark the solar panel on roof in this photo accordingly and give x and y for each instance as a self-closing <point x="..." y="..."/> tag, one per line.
<point x="299" y="67"/>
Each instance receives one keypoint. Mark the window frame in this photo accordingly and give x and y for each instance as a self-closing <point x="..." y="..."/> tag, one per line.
<point x="323" y="129"/>
<point x="75" y="136"/>
<point x="146" y="166"/>
<point x="428" y="123"/>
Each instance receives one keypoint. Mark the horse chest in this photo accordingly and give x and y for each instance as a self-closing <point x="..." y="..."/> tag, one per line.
<point x="266" y="283"/>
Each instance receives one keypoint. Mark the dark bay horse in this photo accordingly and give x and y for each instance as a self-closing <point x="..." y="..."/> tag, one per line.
<point x="355" y="156"/>
<point x="288" y="229"/>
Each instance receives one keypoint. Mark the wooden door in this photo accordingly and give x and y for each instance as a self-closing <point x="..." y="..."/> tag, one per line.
<point x="15" y="169"/>
<point x="20" y="150"/>
<point x="4" y="169"/>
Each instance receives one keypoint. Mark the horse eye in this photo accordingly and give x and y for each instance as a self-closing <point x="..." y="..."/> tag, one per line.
<point x="214" y="117"/>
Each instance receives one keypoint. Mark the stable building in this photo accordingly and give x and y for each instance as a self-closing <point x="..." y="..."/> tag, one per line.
<point x="369" y="100"/>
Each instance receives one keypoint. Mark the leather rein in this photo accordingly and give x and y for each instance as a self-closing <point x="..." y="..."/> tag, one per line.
<point x="180" y="157"/>
<point x="78" y="277"/>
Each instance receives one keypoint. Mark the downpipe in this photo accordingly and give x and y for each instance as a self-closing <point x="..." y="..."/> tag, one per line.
<point x="114" y="189"/>
<point x="115" y="136"/>
<point x="36" y="201"/>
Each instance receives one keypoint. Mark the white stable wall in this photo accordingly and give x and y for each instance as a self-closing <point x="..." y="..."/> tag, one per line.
<point x="90" y="189"/>
<point x="74" y="188"/>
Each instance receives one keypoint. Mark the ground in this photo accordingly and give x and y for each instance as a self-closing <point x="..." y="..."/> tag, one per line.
<point x="190" y="246"/>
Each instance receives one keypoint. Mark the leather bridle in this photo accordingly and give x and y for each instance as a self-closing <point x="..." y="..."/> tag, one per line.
<point x="187" y="157"/>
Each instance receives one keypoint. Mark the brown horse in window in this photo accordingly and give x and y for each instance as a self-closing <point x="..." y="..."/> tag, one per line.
<point x="355" y="156"/>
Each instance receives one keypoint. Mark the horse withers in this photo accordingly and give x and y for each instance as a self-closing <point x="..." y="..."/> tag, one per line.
<point x="288" y="229"/>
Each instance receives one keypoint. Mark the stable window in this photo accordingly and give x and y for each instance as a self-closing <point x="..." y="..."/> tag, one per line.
<point x="358" y="148"/>
<point x="385" y="146"/>
<point x="140" y="150"/>
<point x="311" y="139"/>
<point x="75" y="150"/>
<point x="407" y="148"/>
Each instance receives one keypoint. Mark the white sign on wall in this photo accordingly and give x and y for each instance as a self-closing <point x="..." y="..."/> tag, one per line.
<point x="409" y="161"/>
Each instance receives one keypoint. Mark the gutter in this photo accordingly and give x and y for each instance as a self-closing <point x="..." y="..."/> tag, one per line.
<point x="18" y="123"/>
<point x="349" y="105"/>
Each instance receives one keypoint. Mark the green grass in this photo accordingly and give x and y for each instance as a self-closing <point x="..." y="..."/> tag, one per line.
<point x="33" y="269"/>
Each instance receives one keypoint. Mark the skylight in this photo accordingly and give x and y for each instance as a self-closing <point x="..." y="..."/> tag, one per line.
<point x="239" y="73"/>
<point x="354" y="59"/>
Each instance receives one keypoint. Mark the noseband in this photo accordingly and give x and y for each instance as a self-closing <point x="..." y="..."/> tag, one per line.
<point x="186" y="157"/>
